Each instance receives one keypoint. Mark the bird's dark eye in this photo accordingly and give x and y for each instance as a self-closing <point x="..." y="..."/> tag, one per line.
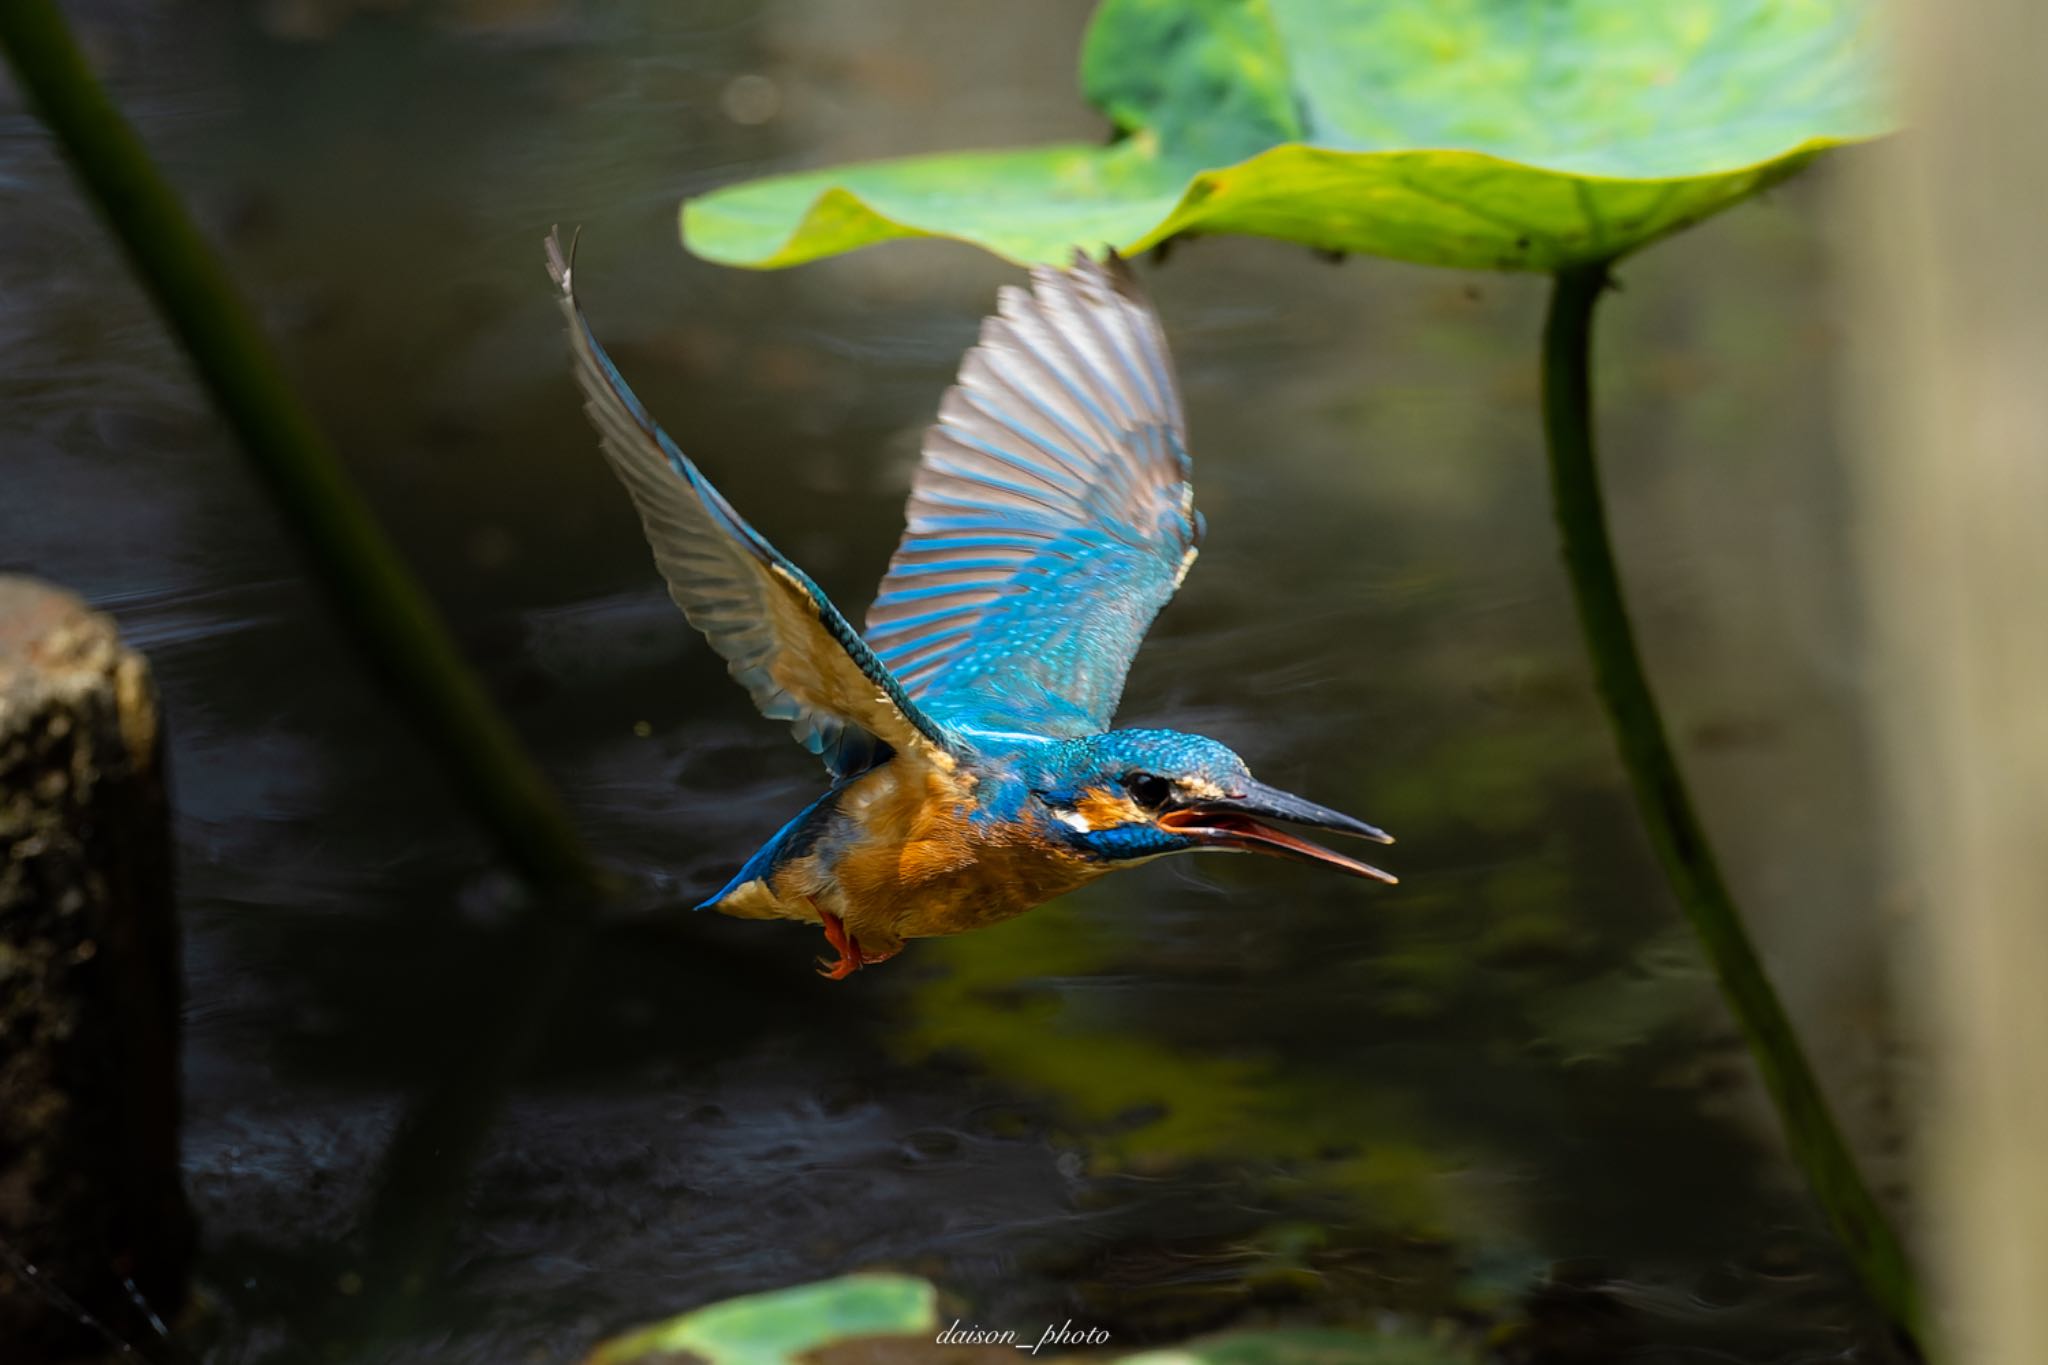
<point x="1148" y="789"/>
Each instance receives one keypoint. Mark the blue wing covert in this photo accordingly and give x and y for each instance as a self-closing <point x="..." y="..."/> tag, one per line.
<point x="1051" y="517"/>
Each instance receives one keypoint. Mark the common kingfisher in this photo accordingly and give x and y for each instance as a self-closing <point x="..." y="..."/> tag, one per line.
<point x="974" y="774"/>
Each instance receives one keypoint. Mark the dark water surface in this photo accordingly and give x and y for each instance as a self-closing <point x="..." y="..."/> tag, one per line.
<point x="427" y="1122"/>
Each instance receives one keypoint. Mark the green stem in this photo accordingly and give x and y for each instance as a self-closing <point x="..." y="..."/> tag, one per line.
<point x="1681" y="844"/>
<point x="365" y="580"/>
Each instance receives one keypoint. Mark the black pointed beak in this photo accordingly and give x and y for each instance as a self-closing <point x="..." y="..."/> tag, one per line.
<point x="1238" y="821"/>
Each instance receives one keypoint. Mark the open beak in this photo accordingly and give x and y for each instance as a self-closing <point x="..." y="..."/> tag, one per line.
<point x="1239" y="822"/>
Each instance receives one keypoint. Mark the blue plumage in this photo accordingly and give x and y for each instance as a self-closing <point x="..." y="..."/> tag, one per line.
<point x="793" y="840"/>
<point x="758" y="609"/>
<point x="974" y="774"/>
<point x="1052" y="516"/>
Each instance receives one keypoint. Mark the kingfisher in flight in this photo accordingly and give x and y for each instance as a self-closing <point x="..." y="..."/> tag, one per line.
<point x="966" y="732"/>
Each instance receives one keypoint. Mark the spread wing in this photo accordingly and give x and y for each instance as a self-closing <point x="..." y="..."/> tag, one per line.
<point x="781" y="637"/>
<point x="1051" y="517"/>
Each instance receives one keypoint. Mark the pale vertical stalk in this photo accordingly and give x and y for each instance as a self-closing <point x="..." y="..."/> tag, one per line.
<point x="1948" y="414"/>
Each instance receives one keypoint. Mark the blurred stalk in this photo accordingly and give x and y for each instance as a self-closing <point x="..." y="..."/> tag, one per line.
<point x="365" y="581"/>
<point x="1948" y="393"/>
<point x="1675" y="831"/>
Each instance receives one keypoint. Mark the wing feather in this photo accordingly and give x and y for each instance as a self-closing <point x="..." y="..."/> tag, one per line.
<point x="782" y="639"/>
<point x="1051" y="516"/>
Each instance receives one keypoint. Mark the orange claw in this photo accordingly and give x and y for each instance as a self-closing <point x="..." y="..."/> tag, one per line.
<point x="849" y="951"/>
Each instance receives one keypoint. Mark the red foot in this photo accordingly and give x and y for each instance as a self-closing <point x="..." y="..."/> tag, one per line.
<point x="850" y="957"/>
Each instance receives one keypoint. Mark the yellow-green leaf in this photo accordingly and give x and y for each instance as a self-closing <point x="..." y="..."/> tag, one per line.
<point x="1479" y="133"/>
<point x="777" y="1327"/>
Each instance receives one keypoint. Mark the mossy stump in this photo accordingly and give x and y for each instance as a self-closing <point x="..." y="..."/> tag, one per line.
<point x="92" y="1216"/>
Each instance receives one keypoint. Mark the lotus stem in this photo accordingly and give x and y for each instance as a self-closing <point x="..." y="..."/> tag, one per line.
<point x="1680" y="842"/>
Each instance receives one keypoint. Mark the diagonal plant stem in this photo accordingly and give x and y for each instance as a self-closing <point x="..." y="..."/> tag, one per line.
<point x="1675" y="832"/>
<point x="367" y="583"/>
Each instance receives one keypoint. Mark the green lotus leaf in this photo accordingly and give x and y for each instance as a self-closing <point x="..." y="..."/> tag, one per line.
<point x="778" y="1327"/>
<point x="1475" y="133"/>
<point x="786" y="1326"/>
<point x="1032" y="204"/>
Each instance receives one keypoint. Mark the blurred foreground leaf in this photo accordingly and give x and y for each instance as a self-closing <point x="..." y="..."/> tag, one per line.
<point x="1467" y="133"/>
<point x="777" y="1327"/>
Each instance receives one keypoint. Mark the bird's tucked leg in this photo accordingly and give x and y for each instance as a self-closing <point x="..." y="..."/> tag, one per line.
<point x="850" y="958"/>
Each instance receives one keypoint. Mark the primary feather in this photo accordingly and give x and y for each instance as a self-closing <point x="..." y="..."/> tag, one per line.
<point x="781" y="637"/>
<point x="1051" y="517"/>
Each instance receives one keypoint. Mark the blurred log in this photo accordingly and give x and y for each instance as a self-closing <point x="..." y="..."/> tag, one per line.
<point x="1949" y="411"/>
<point x="89" y="1192"/>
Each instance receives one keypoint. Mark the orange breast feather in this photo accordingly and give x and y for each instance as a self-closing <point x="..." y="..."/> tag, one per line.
<point x="925" y="868"/>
